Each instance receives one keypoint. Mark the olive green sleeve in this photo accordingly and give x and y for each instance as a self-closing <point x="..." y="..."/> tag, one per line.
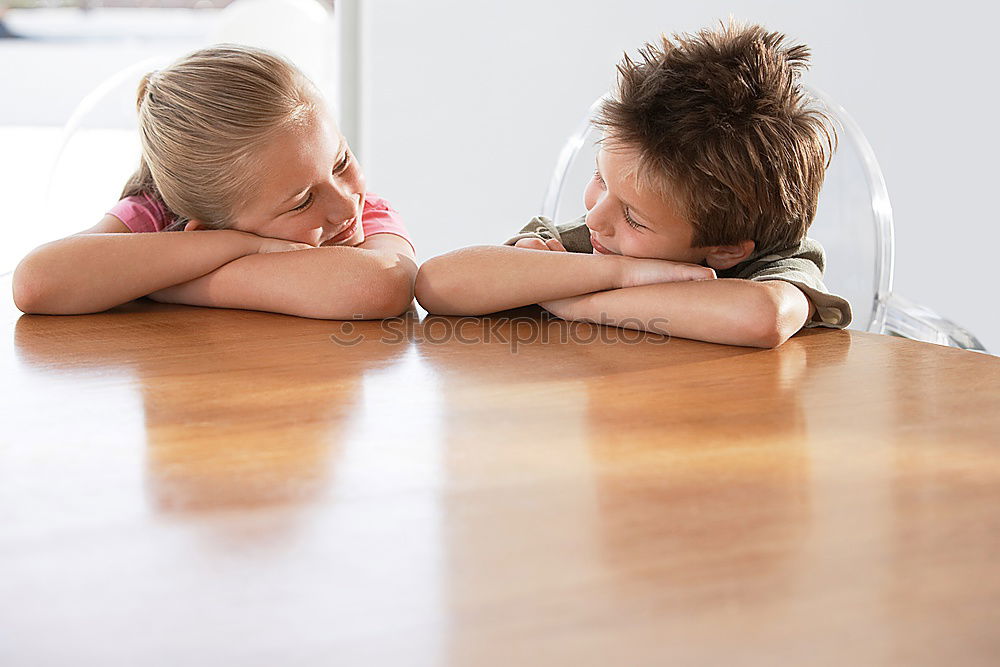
<point x="574" y="235"/>
<point x="801" y="266"/>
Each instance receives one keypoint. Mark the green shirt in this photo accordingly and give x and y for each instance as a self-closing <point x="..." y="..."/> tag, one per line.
<point x="800" y="265"/>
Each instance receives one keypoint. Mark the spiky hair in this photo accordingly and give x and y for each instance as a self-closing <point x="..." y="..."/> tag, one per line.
<point x="723" y="128"/>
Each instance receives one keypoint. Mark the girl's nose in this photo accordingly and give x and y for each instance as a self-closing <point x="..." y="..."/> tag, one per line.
<point x="343" y="206"/>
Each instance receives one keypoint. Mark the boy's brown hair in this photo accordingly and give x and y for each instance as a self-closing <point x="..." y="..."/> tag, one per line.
<point x="723" y="129"/>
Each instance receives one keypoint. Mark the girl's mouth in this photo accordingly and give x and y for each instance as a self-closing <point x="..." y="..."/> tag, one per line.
<point x="347" y="232"/>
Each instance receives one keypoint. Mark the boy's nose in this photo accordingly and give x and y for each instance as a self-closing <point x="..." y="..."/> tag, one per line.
<point x="599" y="220"/>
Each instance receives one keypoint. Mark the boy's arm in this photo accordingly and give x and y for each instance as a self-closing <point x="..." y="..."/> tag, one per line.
<point x="372" y="280"/>
<point x="485" y="279"/>
<point x="108" y="265"/>
<point x="729" y="311"/>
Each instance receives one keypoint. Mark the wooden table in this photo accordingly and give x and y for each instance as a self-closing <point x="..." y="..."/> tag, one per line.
<point x="183" y="486"/>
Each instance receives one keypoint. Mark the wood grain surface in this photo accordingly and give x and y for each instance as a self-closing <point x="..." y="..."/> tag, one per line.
<point x="186" y="486"/>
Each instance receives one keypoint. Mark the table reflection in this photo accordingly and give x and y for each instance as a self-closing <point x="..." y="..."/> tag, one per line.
<point x="235" y="416"/>
<point x="620" y="453"/>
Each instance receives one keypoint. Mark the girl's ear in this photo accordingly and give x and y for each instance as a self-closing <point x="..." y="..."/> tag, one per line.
<point x="727" y="256"/>
<point x="193" y="225"/>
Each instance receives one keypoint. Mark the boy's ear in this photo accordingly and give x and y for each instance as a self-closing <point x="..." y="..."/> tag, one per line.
<point x="727" y="256"/>
<point x="193" y="225"/>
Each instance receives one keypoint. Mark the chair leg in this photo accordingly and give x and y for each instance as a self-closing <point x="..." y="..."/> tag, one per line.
<point x="911" y="320"/>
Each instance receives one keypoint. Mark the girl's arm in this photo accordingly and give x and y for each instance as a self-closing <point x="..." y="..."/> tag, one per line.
<point x="107" y="265"/>
<point x="733" y="312"/>
<point x="485" y="279"/>
<point x="373" y="280"/>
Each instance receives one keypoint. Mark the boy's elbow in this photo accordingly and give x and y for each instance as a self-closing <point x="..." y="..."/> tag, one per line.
<point x="775" y="322"/>
<point x="424" y="286"/>
<point x="768" y="337"/>
<point x="435" y="288"/>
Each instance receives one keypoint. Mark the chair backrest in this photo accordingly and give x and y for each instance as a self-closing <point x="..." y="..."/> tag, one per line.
<point x="98" y="151"/>
<point x="853" y="220"/>
<point x="99" y="148"/>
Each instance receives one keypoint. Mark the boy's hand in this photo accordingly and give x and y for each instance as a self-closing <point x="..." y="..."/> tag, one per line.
<point x="640" y="271"/>
<point x="636" y="271"/>
<point x="540" y="244"/>
<point x="563" y="308"/>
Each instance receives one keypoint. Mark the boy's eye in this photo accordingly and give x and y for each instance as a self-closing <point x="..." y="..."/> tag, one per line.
<point x="304" y="204"/>
<point x="632" y="223"/>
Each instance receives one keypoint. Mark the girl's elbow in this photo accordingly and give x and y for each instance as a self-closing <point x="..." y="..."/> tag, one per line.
<point x="395" y="293"/>
<point x="24" y="298"/>
<point x="29" y="290"/>
<point x="393" y="300"/>
<point x="389" y="294"/>
<point x="35" y="297"/>
<point x="37" y="291"/>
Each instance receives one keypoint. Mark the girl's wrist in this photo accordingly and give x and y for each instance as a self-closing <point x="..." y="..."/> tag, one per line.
<point x="249" y="244"/>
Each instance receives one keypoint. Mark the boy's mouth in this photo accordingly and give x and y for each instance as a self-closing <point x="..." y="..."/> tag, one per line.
<point x="598" y="248"/>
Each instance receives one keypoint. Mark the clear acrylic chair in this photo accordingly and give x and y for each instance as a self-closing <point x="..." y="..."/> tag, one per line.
<point x="853" y="222"/>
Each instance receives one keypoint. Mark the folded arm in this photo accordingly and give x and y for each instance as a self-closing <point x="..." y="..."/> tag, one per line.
<point x="733" y="312"/>
<point x="371" y="281"/>
<point x="107" y="265"/>
<point x="485" y="279"/>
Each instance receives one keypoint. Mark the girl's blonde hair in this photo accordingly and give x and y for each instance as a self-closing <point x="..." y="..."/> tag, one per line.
<point x="202" y="121"/>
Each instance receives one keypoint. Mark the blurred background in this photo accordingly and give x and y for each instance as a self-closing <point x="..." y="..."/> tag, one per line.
<point x="458" y="109"/>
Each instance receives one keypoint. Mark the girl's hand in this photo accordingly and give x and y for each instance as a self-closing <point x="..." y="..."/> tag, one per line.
<point x="535" y="243"/>
<point x="640" y="271"/>
<point x="267" y="244"/>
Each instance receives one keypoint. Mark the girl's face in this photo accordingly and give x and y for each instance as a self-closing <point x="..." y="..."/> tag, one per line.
<point x="310" y="189"/>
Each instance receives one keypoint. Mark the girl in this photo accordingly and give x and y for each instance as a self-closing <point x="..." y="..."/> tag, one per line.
<point x="241" y="159"/>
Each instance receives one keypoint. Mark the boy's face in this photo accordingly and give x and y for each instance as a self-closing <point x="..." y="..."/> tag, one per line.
<point x="627" y="220"/>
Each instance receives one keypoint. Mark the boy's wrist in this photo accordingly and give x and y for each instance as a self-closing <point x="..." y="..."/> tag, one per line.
<point x="622" y="270"/>
<point x="616" y="271"/>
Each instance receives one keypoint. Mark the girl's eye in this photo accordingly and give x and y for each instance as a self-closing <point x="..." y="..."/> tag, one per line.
<point x="342" y="166"/>
<point x="598" y="178"/>
<point x="304" y="204"/>
<point x="632" y="223"/>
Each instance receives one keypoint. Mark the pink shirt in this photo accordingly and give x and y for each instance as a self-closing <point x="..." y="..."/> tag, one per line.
<point x="142" y="213"/>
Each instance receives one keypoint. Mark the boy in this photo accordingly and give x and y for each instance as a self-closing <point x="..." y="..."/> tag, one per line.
<point x="706" y="182"/>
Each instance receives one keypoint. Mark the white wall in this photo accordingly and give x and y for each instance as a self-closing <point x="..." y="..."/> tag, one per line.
<point x="469" y="103"/>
